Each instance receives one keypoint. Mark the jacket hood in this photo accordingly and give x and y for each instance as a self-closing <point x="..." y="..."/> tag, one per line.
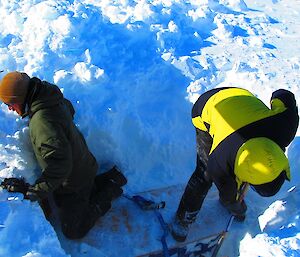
<point x="42" y="95"/>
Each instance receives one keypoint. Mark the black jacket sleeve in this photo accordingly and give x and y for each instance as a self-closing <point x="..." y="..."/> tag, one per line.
<point x="286" y="97"/>
<point x="223" y="179"/>
<point x="289" y="118"/>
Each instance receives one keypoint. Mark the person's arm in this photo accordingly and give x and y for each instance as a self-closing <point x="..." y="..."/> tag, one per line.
<point x="54" y="154"/>
<point x="224" y="181"/>
<point x="286" y="97"/>
<point x="285" y="100"/>
<point x="228" y="188"/>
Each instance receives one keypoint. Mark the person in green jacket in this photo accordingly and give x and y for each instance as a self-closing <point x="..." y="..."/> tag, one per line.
<point x="239" y="140"/>
<point x="68" y="167"/>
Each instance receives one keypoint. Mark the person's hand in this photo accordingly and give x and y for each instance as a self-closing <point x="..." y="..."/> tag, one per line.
<point x="31" y="195"/>
<point x="236" y="208"/>
<point x="15" y="185"/>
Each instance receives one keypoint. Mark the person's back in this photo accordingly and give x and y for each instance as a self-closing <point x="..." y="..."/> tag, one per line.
<point x="239" y="140"/>
<point x="68" y="169"/>
<point x="235" y="110"/>
<point x="56" y="138"/>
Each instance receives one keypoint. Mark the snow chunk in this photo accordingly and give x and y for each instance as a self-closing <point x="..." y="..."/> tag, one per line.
<point x="59" y="75"/>
<point x="172" y="27"/>
<point x="239" y="5"/>
<point x="224" y="30"/>
<point x="86" y="72"/>
<point x="61" y="28"/>
<point x="261" y="245"/>
<point x="270" y="214"/>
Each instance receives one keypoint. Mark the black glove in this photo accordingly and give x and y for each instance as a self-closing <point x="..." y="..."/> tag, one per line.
<point x="15" y="185"/>
<point x="31" y="195"/>
<point x="236" y="208"/>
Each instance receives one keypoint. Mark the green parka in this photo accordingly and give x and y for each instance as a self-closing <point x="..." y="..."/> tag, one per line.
<point x="66" y="163"/>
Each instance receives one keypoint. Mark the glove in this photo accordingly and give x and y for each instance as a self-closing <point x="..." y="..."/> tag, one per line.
<point x="236" y="208"/>
<point x="31" y="195"/>
<point x="15" y="185"/>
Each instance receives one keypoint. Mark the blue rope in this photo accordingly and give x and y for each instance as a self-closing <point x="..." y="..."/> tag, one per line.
<point x="164" y="226"/>
<point x="191" y="249"/>
<point x="200" y="248"/>
<point x="146" y="204"/>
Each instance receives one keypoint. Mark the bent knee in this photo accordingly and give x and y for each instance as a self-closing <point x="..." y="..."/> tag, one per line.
<point x="72" y="232"/>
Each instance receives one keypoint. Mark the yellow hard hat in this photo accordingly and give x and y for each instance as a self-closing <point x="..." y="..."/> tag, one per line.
<point x="259" y="161"/>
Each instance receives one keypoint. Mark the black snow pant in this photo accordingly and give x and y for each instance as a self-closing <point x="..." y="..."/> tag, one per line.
<point x="78" y="214"/>
<point x="80" y="210"/>
<point x="199" y="183"/>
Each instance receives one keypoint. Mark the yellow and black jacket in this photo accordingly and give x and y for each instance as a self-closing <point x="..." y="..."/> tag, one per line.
<point x="232" y="116"/>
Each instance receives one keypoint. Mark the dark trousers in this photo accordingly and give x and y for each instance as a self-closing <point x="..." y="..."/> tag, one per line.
<point x="77" y="213"/>
<point x="80" y="210"/>
<point x="199" y="183"/>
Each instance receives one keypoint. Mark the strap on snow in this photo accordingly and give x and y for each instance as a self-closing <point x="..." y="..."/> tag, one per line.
<point x="146" y="204"/>
<point x="164" y="226"/>
<point x="201" y="248"/>
<point x="195" y="248"/>
<point x="182" y="250"/>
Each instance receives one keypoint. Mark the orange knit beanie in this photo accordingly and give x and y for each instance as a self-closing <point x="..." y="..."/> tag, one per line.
<point x="14" y="87"/>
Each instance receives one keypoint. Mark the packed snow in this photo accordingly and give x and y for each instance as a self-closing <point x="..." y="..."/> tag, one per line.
<point x="133" y="70"/>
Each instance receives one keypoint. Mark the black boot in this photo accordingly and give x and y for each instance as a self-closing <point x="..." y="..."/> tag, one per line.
<point x="103" y="198"/>
<point x="114" y="175"/>
<point x="100" y="202"/>
<point x="180" y="225"/>
<point x="102" y="207"/>
<point x="111" y="190"/>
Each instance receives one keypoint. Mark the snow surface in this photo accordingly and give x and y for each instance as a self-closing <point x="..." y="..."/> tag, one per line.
<point x="133" y="69"/>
